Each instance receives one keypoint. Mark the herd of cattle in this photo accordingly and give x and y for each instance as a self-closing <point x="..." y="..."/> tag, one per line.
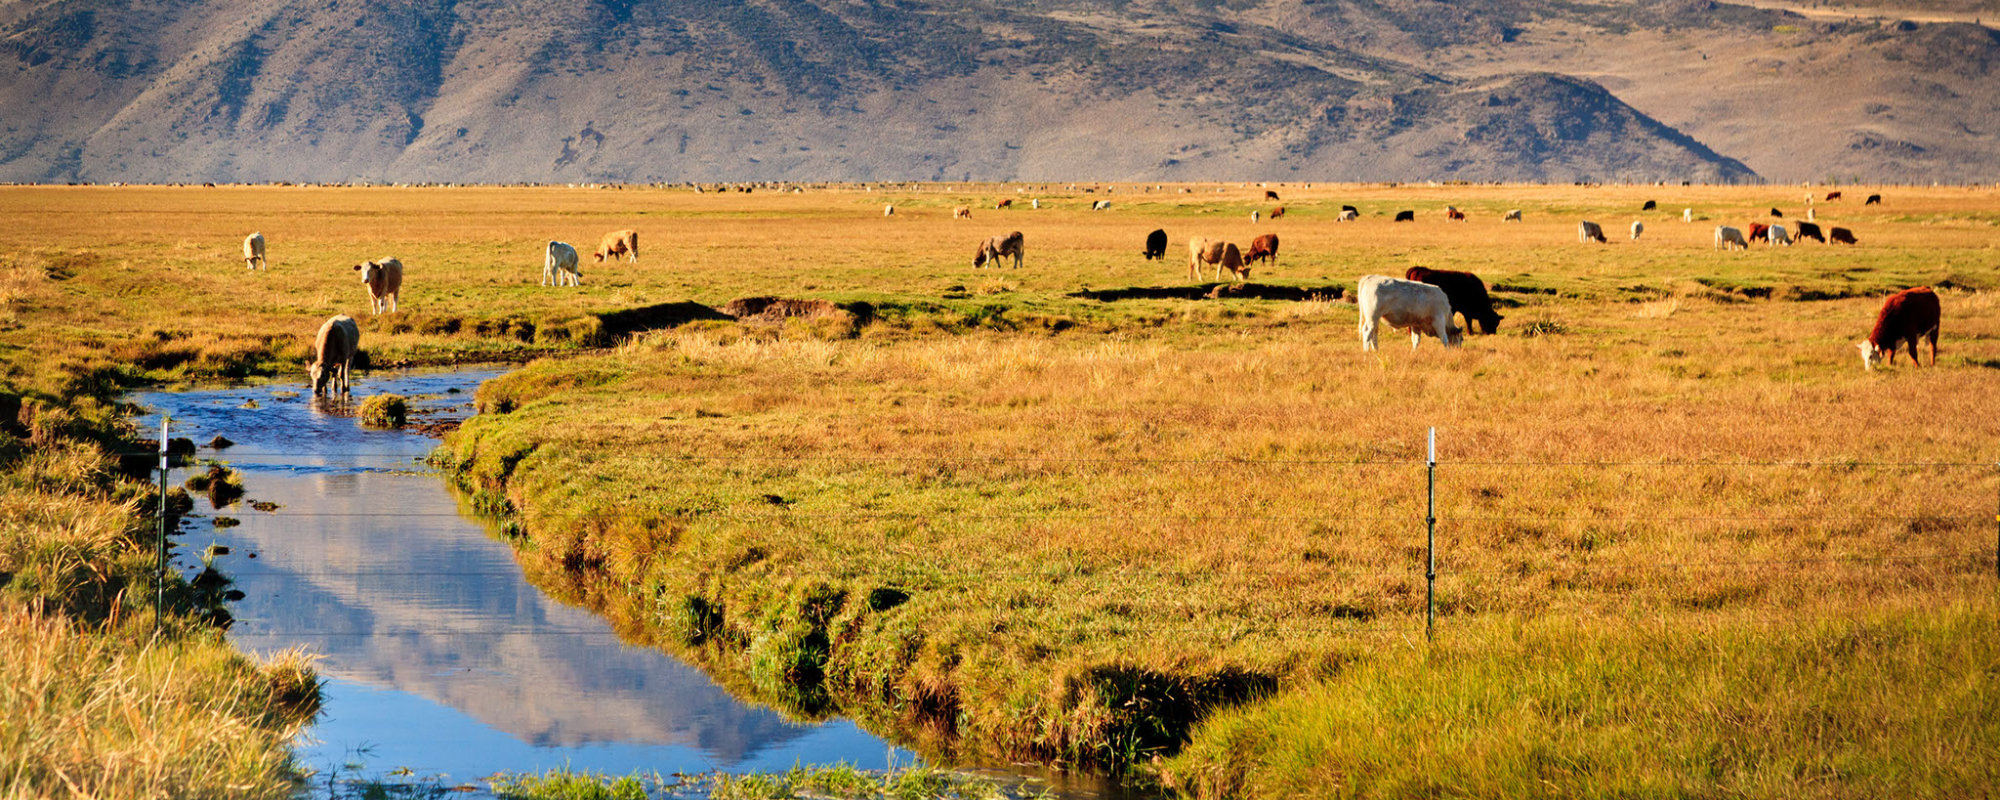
<point x="1424" y="302"/>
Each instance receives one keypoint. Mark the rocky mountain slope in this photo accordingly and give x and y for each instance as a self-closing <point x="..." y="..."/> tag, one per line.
<point x="639" y="90"/>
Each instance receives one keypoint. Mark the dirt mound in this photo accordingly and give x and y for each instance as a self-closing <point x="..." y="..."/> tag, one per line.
<point x="776" y="309"/>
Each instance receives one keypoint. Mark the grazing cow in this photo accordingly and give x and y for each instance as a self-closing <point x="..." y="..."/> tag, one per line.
<point x="1348" y="215"/>
<point x="1035" y="204"/>
<point x="1587" y="231"/>
<point x="1271" y="195"/>
<point x="1810" y="216"/>
<point x="253" y="251"/>
<point x="1007" y="203"/>
<point x="1776" y="237"/>
<point x="616" y="244"/>
<point x="1687" y="215"/>
<point x="961" y="212"/>
<point x="1277" y="212"/>
<point x="1101" y="205"/>
<point x="1262" y="247"/>
<point x="1466" y="292"/>
<point x="1513" y="215"/>
<point x="384" y="277"/>
<point x="1419" y="308"/>
<point x="1758" y="231"/>
<point x="1841" y="235"/>
<point x="1357" y="212"/>
<point x="333" y="355"/>
<point x="560" y="265"/>
<point x="1778" y="214"/>
<point x="1253" y="216"/>
<point x="1832" y="196"/>
<point x="1727" y="238"/>
<point x="1406" y="216"/>
<point x="1650" y="205"/>
<point x="1637" y="228"/>
<point x="1219" y="253"/>
<point x="1156" y="245"/>
<point x="995" y="247"/>
<point x="1808" y="230"/>
<point x="1873" y="199"/>
<point x="1906" y="316"/>
<point x="889" y="210"/>
<point x="1453" y="214"/>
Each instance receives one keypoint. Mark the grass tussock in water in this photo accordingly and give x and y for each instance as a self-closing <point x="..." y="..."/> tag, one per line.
<point x="385" y="411"/>
<point x="835" y="782"/>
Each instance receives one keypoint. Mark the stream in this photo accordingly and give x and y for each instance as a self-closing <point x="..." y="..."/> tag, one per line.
<point x="441" y="662"/>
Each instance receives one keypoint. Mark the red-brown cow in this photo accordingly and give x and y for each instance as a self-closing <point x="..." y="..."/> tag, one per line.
<point x="1466" y="292"/>
<point x="1841" y="235"/>
<point x="1265" y="246"/>
<point x="1907" y="316"/>
<point x="1277" y="212"/>
<point x="1832" y="196"/>
<point x="1759" y="231"/>
<point x="1453" y="215"/>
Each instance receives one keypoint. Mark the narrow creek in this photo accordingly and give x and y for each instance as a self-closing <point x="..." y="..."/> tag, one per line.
<point x="439" y="657"/>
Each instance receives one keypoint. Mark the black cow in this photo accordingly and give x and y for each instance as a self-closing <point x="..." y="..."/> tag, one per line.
<point x="1466" y="292"/>
<point x="1873" y="199"/>
<point x="1650" y="205"/>
<point x="1156" y="245"/>
<point x="1808" y="230"/>
<point x="1777" y="213"/>
<point x="1357" y="212"/>
<point x="1406" y="216"/>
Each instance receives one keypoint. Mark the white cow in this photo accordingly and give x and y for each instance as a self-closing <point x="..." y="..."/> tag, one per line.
<point x="1419" y="308"/>
<point x="560" y="265"/>
<point x="253" y="251"/>
<point x="889" y="209"/>
<point x="1587" y="231"/>
<point x="333" y="355"/>
<point x="1349" y="215"/>
<point x="1513" y="215"/>
<point x="1777" y="237"/>
<point x="1101" y="205"/>
<point x="1687" y="215"/>
<point x="1255" y="215"/>
<point x="1637" y="228"/>
<point x="1035" y="204"/>
<point x="1727" y="238"/>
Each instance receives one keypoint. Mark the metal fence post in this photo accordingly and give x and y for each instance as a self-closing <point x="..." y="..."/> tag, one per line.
<point x="1431" y="547"/>
<point x="160" y="568"/>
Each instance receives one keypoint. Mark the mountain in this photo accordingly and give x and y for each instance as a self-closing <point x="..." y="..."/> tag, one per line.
<point x="631" y="90"/>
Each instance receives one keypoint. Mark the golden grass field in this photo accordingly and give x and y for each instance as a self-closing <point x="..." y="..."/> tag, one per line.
<point x="1688" y="547"/>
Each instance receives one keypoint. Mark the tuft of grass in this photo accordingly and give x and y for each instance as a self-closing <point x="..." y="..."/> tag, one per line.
<point x="385" y="411"/>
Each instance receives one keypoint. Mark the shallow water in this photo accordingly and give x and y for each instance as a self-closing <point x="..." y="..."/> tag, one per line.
<point x="439" y="656"/>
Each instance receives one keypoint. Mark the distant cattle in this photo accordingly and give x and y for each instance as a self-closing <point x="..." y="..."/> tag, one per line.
<point x="1906" y="316"/>
<point x="1513" y="215"/>
<point x="1221" y="254"/>
<point x="559" y="265"/>
<point x="1270" y="195"/>
<point x="1841" y="235"/>
<point x="1277" y="212"/>
<point x="1466" y="292"/>
<point x="1348" y="215"/>
<point x="1832" y="196"/>
<point x="1777" y="214"/>
<point x="1808" y="230"/>
<point x="1650" y="205"/>
<point x="1587" y="231"/>
<point x="1156" y="245"/>
<point x="1419" y="308"/>
<point x="253" y="251"/>
<point x="1262" y="247"/>
<point x="1776" y="236"/>
<point x="997" y="246"/>
<point x="1101" y="205"/>
<point x="384" y="277"/>
<point x="1007" y="203"/>
<point x="1872" y="200"/>
<point x="1727" y="238"/>
<point x="618" y="243"/>
<point x="1758" y="230"/>
<point x="1637" y="228"/>
<point x="1406" y="216"/>
<point x="1453" y="214"/>
<point x="333" y="355"/>
<point x="961" y="212"/>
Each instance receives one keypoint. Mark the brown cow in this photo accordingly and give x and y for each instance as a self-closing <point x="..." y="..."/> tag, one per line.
<point x="618" y="243"/>
<point x="995" y="247"/>
<point x="1759" y="231"/>
<point x="1008" y="203"/>
<point x="1466" y="292"/>
<point x="1832" y="196"/>
<point x="1906" y="316"/>
<point x="1452" y="214"/>
<point x="1219" y="253"/>
<point x="961" y="212"/>
<point x="1841" y="235"/>
<point x="1270" y="195"/>
<point x="1262" y="247"/>
<point x="1277" y="212"/>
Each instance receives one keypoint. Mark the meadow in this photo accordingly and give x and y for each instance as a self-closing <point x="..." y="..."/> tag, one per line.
<point x="1688" y="547"/>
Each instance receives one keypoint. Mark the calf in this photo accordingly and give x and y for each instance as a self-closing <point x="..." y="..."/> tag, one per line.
<point x="253" y="251"/>
<point x="617" y="243"/>
<point x="1419" y="308"/>
<point x="333" y="355"/>
<point x="559" y="265"/>
<point x="1841" y="235"/>
<point x="1156" y="245"/>
<point x="995" y="247"/>
<point x="1406" y="216"/>
<point x="384" y="277"/>
<point x="1727" y="238"/>
<point x="1587" y="231"/>
<point x="1262" y="247"/>
<point x="1906" y="316"/>
<point x="1466" y="292"/>
<point x="1809" y="230"/>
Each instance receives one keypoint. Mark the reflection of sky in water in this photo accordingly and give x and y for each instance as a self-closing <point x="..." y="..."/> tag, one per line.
<point x="438" y="653"/>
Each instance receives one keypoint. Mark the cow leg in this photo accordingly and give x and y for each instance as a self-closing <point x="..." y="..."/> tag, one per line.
<point x="1933" y="338"/>
<point x="1367" y="335"/>
<point x="1916" y="361"/>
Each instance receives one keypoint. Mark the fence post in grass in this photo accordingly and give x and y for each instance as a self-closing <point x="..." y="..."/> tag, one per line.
<point x="1996" y="529"/>
<point x="1431" y="546"/>
<point x="160" y="540"/>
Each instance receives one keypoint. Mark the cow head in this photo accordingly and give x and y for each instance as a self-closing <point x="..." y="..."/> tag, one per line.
<point x="979" y="258"/>
<point x="1870" y="354"/>
<point x="1491" y="324"/>
<point x="369" y="270"/>
<point x="1456" y="334"/>
<point x="319" y="377"/>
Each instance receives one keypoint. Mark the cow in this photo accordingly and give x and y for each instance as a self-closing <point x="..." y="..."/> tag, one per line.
<point x="1466" y="292"/>
<point x="1758" y="231"/>
<point x="1776" y="214"/>
<point x="961" y="212"/>
<point x="1101" y="205"/>
<point x="1406" y="216"/>
<point x="1587" y="231"/>
<point x="1035" y="204"/>
<point x="1776" y="237"/>
<point x="559" y="265"/>
<point x="1007" y="203"/>
<point x="617" y="243"/>
<point x="889" y="210"/>
<point x="1452" y="214"/>
<point x="333" y="355"/>
<point x="253" y="251"/>
<point x="1156" y="245"/>
<point x="1841" y="235"/>
<point x="1277" y="212"/>
<point x="1270" y="195"/>
<point x="1873" y="199"/>
<point x="1419" y="308"/>
<point x="1832" y="196"/>
<point x="1687" y="215"/>
<point x="1348" y="215"/>
<point x="1906" y="316"/>
<point x="1808" y="230"/>
<point x="1344" y="209"/>
<point x="1262" y="247"/>
<point x="1637" y="228"/>
<point x="995" y="247"/>
<point x="384" y="277"/>
<point x="1219" y="253"/>
<point x="1810" y="216"/>
<point x="1650" y="205"/>
<point x="1727" y="238"/>
<point x="1513" y="215"/>
<point x="1253" y="216"/>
